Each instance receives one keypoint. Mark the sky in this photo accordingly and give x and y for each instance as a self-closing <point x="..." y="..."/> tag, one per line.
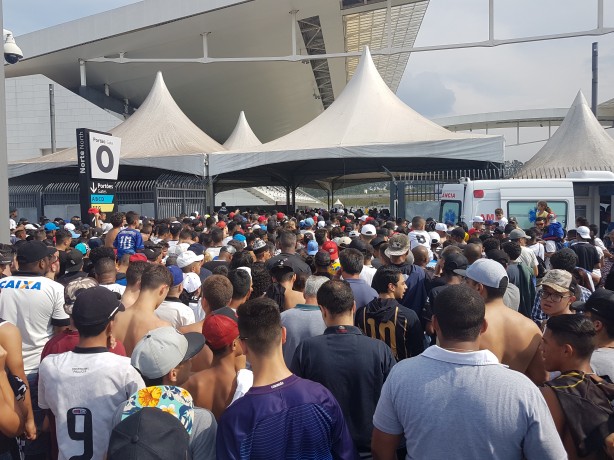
<point x="534" y="75"/>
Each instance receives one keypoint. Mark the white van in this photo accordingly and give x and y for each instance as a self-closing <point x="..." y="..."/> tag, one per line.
<point x="581" y="193"/>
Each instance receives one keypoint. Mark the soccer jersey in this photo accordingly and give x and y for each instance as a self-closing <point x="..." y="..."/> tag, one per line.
<point x="34" y="304"/>
<point x="291" y="419"/>
<point x="128" y="241"/>
<point x="83" y="388"/>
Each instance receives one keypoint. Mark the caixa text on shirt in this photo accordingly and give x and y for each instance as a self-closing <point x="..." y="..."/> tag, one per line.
<point x="20" y="284"/>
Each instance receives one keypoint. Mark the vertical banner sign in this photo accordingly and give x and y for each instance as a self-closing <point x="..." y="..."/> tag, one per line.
<point x="98" y="161"/>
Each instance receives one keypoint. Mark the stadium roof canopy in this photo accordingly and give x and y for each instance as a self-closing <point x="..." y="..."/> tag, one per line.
<point x="278" y="95"/>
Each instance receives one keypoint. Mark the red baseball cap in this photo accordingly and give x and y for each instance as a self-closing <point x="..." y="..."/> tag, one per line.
<point x="280" y="215"/>
<point x="331" y="248"/>
<point x="219" y="331"/>
<point x="261" y="219"/>
<point x="138" y="257"/>
<point x="221" y="224"/>
<point x="231" y="214"/>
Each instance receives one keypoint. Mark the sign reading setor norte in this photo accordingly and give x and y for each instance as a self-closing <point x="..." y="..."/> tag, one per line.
<point x="98" y="161"/>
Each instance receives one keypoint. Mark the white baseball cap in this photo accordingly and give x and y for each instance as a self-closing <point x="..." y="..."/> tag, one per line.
<point x="584" y="232"/>
<point x="368" y="230"/>
<point x="441" y="227"/>
<point x="188" y="258"/>
<point x="479" y="219"/>
<point x="191" y="282"/>
<point x="354" y="234"/>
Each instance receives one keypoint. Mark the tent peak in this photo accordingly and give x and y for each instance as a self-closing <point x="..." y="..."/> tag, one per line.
<point x="242" y="137"/>
<point x="579" y="100"/>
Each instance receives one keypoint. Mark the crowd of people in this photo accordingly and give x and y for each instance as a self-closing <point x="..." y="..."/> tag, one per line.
<point x="335" y="334"/>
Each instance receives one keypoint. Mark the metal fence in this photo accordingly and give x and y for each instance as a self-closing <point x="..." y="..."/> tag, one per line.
<point x="427" y="186"/>
<point x="556" y="172"/>
<point x="168" y="196"/>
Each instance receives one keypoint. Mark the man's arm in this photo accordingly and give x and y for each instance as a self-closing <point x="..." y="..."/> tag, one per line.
<point x="10" y="339"/>
<point x="535" y="369"/>
<point x="384" y="445"/>
<point x="12" y="420"/>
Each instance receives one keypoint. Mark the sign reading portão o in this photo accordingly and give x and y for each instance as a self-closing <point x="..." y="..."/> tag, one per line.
<point x="98" y="161"/>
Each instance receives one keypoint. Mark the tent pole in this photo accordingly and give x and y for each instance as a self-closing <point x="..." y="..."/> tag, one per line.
<point x="293" y="198"/>
<point x="332" y="193"/>
<point x="287" y="199"/>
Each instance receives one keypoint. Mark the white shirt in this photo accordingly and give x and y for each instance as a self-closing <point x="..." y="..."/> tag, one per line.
<point x="83" y="390"/>
<point x="175" y="312"/>
<point x="115" y="288"/>
<point x="527" y="256"/>
<point x="420" y="238"/>
<point x="367" y="273"/>
<point x="32" y="303"/>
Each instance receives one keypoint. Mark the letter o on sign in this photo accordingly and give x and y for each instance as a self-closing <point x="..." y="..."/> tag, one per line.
<point x="102" y="152"/>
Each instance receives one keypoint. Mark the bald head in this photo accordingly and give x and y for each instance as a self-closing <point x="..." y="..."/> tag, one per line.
<point x="421" y="256"/>
<point x="472" y="252"/>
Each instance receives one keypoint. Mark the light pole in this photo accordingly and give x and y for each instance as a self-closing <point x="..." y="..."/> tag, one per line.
<point x="4" y="163"/>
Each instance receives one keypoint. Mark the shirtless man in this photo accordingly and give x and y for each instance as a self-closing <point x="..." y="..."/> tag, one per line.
<point x="133" y="283"/>
<point x="217" y="293"/>
<point x="131" y="325"/>
<point x="511" y="336"/>
<point x="226" y="380"/>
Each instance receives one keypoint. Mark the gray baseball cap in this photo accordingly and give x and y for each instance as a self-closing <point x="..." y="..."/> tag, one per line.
<point x="517" y="233"/>
<point x="487" y="272"/>
<point x="163" y="349"/>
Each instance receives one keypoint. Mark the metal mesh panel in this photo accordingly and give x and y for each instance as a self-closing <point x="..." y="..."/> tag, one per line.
<point x="60" y="194"/>
<point x="25" y="196"/>
<point x="427" y="186"/>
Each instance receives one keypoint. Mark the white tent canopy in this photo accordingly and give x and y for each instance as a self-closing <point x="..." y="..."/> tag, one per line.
<point x="158" y="135"/>
<point x="242" y="136"/>
<point x="579" y="143"/>
<point x="366" y="122"/>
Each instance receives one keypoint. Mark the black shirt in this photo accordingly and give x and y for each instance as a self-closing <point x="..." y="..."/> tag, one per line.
<point x="394" y="324"/>
<point x="588" y="256"/>
<point x="353" y="367"/>
<point x="293" y="260"/>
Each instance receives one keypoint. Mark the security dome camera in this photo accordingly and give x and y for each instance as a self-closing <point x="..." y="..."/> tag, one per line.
<point x="12" y="52"/>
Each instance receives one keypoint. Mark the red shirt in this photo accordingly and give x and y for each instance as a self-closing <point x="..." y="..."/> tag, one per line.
<point x="68" y="340"/>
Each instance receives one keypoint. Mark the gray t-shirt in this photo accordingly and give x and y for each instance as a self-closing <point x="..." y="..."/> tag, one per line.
<point x="484" y="410"/>
<point x="300" y="322"/>
<point x="602" y="362"/>
<point x="202" y="438"/>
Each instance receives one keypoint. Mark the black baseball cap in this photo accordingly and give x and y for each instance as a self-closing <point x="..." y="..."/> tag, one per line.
<point x="601" y="302"/>
<point x="197" y="249"/>
<point x="148" y="431"/>
<point x="33" y="251"/>
<point x="377" y="241"/>
<point x="74" y="261"/>
<point x="359" y="244"/>
<point x="456" y="263"/>
<point x="96" y="306"/>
